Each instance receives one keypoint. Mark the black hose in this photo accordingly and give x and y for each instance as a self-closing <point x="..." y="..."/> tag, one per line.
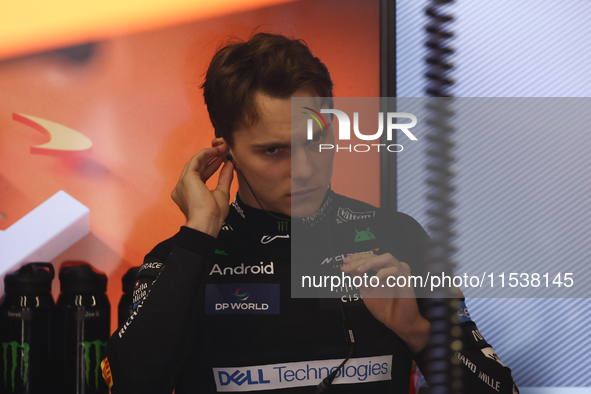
<point x="444" y="371"/>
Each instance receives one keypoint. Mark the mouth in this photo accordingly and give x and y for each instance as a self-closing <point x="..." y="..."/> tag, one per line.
<point x="303" y="194"/>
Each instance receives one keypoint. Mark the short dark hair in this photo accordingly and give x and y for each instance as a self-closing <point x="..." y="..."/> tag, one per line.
<point x="272" y="64"/>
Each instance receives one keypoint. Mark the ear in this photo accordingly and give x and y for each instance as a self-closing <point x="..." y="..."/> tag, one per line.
<point x="217" y="141"/>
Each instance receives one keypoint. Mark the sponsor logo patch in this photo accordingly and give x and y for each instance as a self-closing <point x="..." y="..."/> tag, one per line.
<point x="282" y="225"/>
<point x="106" y="368"/>
<point x="270" y="238"/>
<point x="364" y="235"/>
<point x="490" y="353"/>
<point x="140" y="292"/>
<point x="341" y="257"/>
<point x="301" y="374"/>
<point x="462" y="312"/>
<point x="242" y="298"/>
<point x="254" y="269"/>
<point x="152" y="265"/>
<point x="319" y="214"/>
<point x="477" y="336"/>
<point x="346" y="214"/>
<point x="238" y="208"/>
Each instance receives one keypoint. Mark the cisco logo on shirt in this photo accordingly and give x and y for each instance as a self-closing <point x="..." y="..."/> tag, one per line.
<point x="242" y="298"/>
<point x="300" y="374"/>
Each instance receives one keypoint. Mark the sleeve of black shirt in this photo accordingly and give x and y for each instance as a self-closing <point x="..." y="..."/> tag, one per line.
<point x="146" y="353"/>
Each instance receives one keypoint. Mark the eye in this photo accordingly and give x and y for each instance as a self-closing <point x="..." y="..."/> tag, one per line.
<point x="272" y="150"/>
<point x="319" y="136"/>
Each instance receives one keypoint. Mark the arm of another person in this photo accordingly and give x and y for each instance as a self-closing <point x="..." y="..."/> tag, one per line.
<point x="399" y="310"/>
<point x="146" y="354"/>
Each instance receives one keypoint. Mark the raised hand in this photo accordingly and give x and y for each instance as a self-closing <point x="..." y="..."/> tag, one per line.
<point x="205" y="209"/>
<point x="394" y="306"/>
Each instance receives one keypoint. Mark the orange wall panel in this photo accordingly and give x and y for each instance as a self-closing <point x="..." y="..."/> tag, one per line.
<point x="137" y="98"/>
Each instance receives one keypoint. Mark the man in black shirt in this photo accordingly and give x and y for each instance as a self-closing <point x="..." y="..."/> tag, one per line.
<point x="213" y="307"/>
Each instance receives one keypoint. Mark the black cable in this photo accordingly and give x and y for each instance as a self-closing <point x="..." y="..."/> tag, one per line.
<point x="443" y="369"/>
<point x="349" y="337"/>
<point x="326" y="382"/>
<point x="288" y="219"/>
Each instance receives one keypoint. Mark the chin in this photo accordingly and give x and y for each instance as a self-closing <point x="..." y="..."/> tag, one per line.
<point x="304" y="209"/>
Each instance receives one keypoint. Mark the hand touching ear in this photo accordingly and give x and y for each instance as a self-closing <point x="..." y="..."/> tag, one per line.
<point x="205" y="209"/>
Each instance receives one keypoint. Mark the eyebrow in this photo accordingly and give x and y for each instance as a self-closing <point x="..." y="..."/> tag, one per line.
<point x="265" y="145"/>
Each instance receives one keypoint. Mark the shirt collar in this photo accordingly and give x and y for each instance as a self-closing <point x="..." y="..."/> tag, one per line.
<point x="278" y="221"/>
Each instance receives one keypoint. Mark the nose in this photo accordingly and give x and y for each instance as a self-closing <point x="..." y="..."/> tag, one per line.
<point x="302" y="167"/>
